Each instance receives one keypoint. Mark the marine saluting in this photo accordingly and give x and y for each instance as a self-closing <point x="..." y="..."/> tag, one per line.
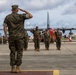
<point x="15" y="24"/>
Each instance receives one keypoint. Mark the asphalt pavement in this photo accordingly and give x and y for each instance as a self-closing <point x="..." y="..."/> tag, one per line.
<point x="63" y="60"/>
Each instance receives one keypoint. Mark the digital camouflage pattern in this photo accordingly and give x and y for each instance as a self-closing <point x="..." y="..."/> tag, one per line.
<point x="0" y="40"/>
<point x="15" y="24"/>
<point x="37" y="37"/>
<point x="14" y="7"/>
<point x="16" y="51"/>
<point x="58" y="39"/>
<point x="26" y="39"/>
<point x="47" y="38"/>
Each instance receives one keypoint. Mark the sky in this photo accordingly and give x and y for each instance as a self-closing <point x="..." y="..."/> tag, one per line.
<point x="62" y="13"/>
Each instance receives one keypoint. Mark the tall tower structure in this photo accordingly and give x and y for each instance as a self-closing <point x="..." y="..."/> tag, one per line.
<point x="48" y="21"/>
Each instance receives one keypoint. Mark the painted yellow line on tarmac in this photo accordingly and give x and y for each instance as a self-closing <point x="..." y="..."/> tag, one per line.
<point x="55" y="72"/>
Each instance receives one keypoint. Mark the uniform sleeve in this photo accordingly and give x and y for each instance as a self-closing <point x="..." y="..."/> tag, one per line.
<point x="25" y="16"/>
<point x="5" y="22"/>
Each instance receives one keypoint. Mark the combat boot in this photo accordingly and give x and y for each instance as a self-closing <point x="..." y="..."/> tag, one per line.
<point x="47" y="48"/>
<point x="35" y="49"/>
<point x="58" y="48"/>
<point x="13" y="69"/>
<point x="18" y="69"/>
<point x="25" y="49"/>
<point x="38" y="50"/>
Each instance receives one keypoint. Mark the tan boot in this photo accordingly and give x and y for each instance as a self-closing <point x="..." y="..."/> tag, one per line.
<point x="38" y="50"/>
<point x="13" y="69"/>
<point x="35" y="49"/>
<point x="47" y="48"/>
<point x="25" y="49"/>
<point x="18" y="69"/>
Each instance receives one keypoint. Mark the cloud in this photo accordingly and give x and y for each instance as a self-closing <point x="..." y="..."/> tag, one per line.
<point x="41" y="6"/>
<point x="32" y="4"/>
<point x="70" y="10"/>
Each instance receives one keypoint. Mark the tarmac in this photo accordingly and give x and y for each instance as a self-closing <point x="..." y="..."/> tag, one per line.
<point x="63" y="60"/>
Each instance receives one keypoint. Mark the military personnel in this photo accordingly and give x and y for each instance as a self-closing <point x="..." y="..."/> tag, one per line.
<point x="4" y="40"/>
<point x="0" y="40"/>
<point x="47" y="38"/>
<point x="15" y="24"/>
<point x="26" y="39"/>
<point x="58" y="35"/>
<point x="37" y="37"/>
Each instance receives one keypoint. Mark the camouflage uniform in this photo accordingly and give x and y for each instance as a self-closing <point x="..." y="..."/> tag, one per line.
<point x="47" y="40"/>
<point x="58" y="39"/>
<point x="37" y="36"/>
<point x="15" y="24"/>
<point x="26" y="40"/>
<point x="0" y="40"/>
<point x="4" y="40"/>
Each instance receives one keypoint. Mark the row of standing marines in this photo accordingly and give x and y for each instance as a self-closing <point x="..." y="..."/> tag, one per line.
<point x="46" y="36"/>
<point x="14" y="22"/>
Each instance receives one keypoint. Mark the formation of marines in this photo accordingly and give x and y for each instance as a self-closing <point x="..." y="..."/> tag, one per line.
<point x="18" y="37"/>
<point x="47" y="39"/>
